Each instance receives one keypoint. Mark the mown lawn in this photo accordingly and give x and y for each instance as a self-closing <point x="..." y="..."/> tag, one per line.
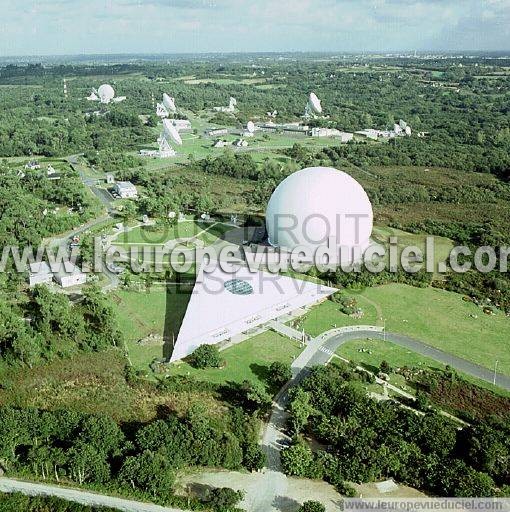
<point x="437" y="317"/>
<point x="398" y="357"/>
<point x="247" y="360"/>
<point x="327" y="316"/>
<point x="445" y="321"/>
<point x="139" y="314"/>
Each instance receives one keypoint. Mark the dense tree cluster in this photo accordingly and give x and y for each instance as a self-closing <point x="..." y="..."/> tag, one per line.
<point x="16" y="502"/>
<point x="144" y="458"/>
<point x="206" y="356"/>
<point x="369" y="440"/>
<point x="55" y="326"/>
<point x="29" y="206"/>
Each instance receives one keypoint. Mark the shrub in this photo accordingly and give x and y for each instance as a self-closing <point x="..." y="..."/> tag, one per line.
<point x="206" y="356"/>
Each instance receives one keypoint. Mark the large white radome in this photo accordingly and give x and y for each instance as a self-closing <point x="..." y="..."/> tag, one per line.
<point x="106" y="93"/>
<point x="321" y="202"/>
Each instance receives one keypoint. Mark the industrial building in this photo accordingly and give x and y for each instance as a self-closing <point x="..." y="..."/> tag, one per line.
<point x="125" y="190"/>
<point x="227" y="303"/>
<point x="332" y="132"/>
<point x="70" y="275"/>
<point x="216" y="132"/>
<point x="181" y="125"/>
<point x="40" y="273"/>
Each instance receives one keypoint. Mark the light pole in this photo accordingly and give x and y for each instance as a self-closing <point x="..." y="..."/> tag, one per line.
<point x="495" y="371"/>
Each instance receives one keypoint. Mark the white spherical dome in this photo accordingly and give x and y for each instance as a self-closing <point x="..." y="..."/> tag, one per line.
<point x="311" y="206"/>
<point x="106" y="92"/>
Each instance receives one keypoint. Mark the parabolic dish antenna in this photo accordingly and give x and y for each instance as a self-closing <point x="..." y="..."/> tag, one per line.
<point x="250" y="126"/>
<point x="315" y="103"/>
<point x="170" y="131"/>
<point x="106" y="93"/>
<point x="169" y="102"/>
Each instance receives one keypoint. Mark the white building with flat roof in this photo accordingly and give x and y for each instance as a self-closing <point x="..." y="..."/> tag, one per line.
<point x="229" y="301"/>
<point x="332" y="132"/>
<point x="181" y="124"/>
<point x="40" y="273"/>
<point x="70" y="275"/>
<point x="126" y="190"/>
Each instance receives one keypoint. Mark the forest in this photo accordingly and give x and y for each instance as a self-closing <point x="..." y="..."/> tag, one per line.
<point x="368" y="440"/>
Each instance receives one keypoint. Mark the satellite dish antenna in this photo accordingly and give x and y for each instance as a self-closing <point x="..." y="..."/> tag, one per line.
<point x="161" y="111"/>
<point x="106" y="93"/>
<point x="250" y="126"/>
<point x="169" y="103"/>
<point x="172" y="215"/>
<point x="170" y="131"/>
<point x="314" y="103"/>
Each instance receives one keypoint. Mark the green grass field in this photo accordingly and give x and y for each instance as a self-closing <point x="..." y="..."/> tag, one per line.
<point x="207" y="232"/>
<point x="247" y="360"/>
<point x="442" y="245"/>
<point x="140" y="314"/>
<point x="327" y="316"/>
<point x="437" y="317"/>
<point x="398" y="357"/>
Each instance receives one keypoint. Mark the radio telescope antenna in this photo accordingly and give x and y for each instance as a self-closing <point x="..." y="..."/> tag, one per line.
<point x="170" y="131"/>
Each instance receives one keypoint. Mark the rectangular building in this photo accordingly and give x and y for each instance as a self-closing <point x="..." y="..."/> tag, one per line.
<point x="70" y="275"/>
<point x="126" y="190"/>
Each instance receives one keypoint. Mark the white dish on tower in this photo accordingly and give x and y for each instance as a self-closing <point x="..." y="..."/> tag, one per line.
<point x="170" y="131"/>
<point x="169" y="102"/>
<point x="315" y="103"/>
<point x="250" y="126"/>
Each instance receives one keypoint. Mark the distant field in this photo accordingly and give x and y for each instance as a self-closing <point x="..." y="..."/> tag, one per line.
<point x="437" y="317"/>
<point x="225" y="81"/>
<point x="442" y="245"/>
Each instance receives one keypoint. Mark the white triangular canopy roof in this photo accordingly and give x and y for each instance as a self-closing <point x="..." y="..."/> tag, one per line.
<point x="231" y="300"/>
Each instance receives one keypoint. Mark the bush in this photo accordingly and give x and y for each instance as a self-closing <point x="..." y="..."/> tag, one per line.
<point x="312" y="506"/>
<point x="206" y="356"/>
<point x="279" y="373"/>
<point x="224" y="499"/>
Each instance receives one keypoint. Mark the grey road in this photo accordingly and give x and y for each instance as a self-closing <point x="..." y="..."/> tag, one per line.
<point x="461" y="365"/>
<point x="86" y="498"/>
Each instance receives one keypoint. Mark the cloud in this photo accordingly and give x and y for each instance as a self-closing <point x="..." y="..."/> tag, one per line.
<point x="141" y="26"/>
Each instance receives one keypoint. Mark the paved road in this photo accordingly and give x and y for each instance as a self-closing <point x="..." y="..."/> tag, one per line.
<point x="86" y="498"/>
<point x="461" y="365"/>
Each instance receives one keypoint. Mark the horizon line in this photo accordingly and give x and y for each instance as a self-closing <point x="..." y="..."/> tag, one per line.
<point x="256" y="52"/>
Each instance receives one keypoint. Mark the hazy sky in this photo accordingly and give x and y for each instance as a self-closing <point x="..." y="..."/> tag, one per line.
<point x="33" y="27"/>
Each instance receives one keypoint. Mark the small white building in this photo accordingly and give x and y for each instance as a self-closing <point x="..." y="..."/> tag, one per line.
<point x="181" y="124"/>
<point x="33" y="165"/>
<point x="70" y="275"/>
<point x="369" y="133"/>
<point x="126" y="190"/>
<point x="110" y="179"/>
<point x="332" y="132"/>
<point x="40" y="273"/>
<point x="216" y="132"/>
<point x="222" y="144"/>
